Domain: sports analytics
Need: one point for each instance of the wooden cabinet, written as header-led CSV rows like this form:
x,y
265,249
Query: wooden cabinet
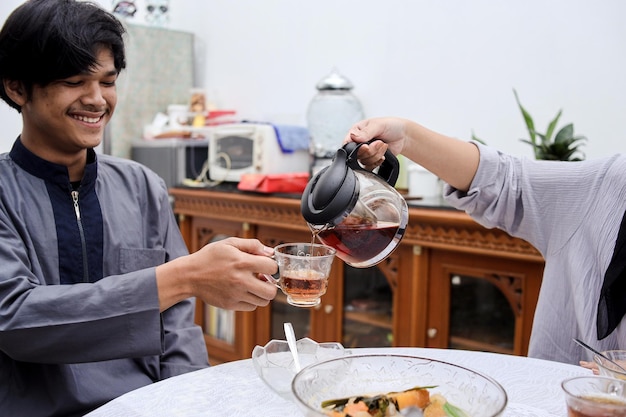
x,y
450,283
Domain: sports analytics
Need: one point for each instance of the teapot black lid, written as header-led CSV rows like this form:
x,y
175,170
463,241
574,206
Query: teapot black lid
x,y
332,193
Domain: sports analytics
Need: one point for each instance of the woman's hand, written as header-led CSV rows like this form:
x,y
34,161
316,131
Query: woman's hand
x,y
390,131
590,365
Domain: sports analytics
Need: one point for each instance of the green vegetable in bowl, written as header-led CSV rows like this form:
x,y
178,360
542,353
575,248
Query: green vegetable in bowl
x,y
453,411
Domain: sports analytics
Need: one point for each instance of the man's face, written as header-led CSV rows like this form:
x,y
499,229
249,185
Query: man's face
x,y
69,115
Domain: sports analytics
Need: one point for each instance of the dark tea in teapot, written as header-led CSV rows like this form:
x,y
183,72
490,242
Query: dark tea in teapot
x,y
358,243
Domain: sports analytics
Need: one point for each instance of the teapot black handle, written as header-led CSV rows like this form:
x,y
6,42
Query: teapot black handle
x,y
388,171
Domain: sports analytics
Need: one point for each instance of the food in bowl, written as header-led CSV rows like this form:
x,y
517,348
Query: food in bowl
x,y
465,390
392,404
606,368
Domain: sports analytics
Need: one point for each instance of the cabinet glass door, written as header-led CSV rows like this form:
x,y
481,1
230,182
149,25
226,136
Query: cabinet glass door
x,y
480,315
477,303
367,308
282,312
218,323
366,316
357,309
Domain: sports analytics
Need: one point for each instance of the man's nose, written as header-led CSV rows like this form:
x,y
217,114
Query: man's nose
x,y
93,94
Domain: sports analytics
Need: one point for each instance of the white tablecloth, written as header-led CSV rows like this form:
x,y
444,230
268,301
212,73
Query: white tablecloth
x,y
234,389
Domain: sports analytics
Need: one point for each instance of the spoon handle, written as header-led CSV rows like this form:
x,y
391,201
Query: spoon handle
x,y
291,341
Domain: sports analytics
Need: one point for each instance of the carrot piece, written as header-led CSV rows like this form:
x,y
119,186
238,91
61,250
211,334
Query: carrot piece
x,y
435,408
352,408
416,397
333,413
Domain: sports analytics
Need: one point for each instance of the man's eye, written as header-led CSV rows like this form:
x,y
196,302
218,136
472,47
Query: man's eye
x,y
72,83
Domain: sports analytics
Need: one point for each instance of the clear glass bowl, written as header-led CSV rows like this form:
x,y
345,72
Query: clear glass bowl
x,y
606,368
274,362
474,393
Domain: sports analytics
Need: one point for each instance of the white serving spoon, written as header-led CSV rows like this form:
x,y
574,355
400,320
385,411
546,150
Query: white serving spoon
x,y
291,341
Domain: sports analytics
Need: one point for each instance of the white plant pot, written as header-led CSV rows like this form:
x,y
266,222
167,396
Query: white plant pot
x,y
423,183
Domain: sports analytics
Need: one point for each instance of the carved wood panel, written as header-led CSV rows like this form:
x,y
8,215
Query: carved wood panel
x,y
443,228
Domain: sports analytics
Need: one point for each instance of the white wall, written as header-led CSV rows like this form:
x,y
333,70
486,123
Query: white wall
x,y
451,65
10,120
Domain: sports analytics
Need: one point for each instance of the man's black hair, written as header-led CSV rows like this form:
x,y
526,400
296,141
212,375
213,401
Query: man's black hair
x,y
48,40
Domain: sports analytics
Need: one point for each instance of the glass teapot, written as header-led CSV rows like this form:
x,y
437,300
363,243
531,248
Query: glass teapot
x,y
356,211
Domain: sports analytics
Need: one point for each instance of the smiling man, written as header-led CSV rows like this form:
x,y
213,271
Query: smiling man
x,y
97,287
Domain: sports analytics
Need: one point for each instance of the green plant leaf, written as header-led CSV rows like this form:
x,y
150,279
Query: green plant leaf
x,y
552,126
477,139
544,139
564,146
530,124
565,135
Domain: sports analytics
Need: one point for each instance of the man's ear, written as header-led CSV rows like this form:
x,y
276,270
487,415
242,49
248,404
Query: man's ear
x,y
16,91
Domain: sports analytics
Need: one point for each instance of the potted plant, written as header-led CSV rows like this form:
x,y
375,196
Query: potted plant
x,y
565,146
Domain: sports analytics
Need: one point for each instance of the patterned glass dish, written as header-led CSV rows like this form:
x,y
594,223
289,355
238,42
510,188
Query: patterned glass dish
x,y
476,394
274,362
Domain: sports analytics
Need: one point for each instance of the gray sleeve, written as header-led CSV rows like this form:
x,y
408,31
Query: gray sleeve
x,y
542,202
184,349
81,322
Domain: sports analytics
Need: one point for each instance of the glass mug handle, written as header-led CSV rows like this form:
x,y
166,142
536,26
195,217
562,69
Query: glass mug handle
x,y
274,278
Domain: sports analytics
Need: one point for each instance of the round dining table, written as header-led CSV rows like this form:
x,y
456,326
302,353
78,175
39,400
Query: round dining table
x,y
533,387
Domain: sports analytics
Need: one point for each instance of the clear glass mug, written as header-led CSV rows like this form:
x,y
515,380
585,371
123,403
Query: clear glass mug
x,y
303,270
595,396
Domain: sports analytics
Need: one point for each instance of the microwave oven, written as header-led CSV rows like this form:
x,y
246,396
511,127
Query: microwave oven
x,y
174,160
251,148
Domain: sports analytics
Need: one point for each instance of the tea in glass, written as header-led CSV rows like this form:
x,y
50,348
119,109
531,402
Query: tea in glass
x,y
303,270
595,396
